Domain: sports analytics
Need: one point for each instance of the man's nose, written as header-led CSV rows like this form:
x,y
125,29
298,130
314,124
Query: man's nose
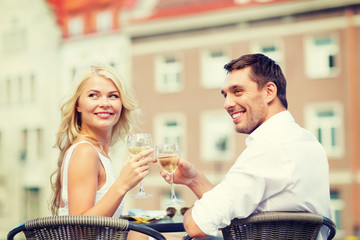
x,y
229,102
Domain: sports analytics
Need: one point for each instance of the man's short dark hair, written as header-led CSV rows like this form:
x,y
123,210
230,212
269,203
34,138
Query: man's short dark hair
x,y
263,70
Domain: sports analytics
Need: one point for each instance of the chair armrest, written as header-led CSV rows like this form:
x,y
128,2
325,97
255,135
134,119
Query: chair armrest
x,y
187,237
16,230
332,227
146,230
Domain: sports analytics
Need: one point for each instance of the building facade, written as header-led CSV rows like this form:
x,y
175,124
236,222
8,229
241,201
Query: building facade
x,y
173,52
29,73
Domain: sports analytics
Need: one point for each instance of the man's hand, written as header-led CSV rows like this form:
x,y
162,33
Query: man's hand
x,y
188,175
184,173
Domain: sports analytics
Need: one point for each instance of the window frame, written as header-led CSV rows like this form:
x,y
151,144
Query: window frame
x,y
76,26
161,69
279,58
337,205
104,21
312,55
207,62
207,132
160,129
313,123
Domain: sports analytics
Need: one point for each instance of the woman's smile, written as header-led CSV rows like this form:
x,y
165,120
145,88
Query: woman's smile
x,y
104,115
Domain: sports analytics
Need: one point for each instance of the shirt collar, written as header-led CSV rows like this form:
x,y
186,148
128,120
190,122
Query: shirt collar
x,y
268,127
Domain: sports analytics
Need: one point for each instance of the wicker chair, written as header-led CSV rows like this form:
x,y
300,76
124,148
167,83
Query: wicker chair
x,y
277,225
80,227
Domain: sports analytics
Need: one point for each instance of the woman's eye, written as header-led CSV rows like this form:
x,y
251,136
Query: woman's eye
x,y
92,95
114,96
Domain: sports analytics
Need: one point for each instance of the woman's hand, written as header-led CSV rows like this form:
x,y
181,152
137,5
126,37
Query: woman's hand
x,y
135,169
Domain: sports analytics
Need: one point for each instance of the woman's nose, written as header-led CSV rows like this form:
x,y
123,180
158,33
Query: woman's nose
x,y
104,102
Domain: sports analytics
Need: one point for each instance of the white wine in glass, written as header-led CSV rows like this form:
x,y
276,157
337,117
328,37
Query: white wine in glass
x,y
137,143
168,156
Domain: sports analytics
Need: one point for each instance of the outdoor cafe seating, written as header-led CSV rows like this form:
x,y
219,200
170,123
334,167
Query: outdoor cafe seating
x,y
277,225
258,226
80,227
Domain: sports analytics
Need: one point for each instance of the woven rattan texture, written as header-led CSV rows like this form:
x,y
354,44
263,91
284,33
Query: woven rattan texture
x,y
279,226
76,227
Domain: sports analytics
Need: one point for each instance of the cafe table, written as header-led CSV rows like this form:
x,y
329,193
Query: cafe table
x,y
164,225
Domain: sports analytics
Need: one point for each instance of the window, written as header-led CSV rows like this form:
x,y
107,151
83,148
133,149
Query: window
x,y
1,148
326,122
321,59
32,202
8,90
3,91
168,74
32,145
104,21
32,88
39,143
270,49
20,89
14,87
76,26
14,41
216,136
24,146
170,128
212,67
2,209
337,205
73,73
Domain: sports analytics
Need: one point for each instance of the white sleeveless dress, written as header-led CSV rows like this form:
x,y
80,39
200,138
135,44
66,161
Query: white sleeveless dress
x,y
110,179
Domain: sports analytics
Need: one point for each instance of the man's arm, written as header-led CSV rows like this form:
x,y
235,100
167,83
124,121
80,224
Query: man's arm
x,y
188,175
191,227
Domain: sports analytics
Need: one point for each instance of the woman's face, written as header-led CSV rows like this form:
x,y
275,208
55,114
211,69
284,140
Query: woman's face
x,y
99,104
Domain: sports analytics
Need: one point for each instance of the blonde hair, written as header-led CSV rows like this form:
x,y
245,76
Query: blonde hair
x,y
70,125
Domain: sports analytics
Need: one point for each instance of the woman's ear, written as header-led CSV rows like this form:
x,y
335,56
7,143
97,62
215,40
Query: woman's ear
x,y
78,109
271,91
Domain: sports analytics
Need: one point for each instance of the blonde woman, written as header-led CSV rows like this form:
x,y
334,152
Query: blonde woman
x,y
97,115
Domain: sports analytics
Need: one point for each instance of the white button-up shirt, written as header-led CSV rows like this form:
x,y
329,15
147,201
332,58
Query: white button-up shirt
x,y
283,168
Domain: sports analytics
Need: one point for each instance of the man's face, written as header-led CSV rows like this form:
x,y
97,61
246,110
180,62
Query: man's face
x,y
245,103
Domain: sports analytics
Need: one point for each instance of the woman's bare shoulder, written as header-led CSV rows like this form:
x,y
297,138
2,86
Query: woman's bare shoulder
x,y
85,155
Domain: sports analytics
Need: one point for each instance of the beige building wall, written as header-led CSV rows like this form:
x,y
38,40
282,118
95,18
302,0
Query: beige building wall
x,y
290,32
136,51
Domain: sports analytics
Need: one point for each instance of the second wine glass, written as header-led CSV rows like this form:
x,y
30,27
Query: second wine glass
x,y
137,143
168,155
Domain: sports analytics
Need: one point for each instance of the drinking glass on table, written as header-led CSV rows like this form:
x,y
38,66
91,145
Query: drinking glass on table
x,y
137,143
168,155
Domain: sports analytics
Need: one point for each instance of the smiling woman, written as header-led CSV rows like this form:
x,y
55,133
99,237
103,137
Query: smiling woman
x,y
99,104
95,116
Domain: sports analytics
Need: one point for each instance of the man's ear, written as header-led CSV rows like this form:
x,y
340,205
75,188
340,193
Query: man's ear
x,y
271,91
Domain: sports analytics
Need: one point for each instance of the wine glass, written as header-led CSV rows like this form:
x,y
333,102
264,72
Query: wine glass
x,y
137,143
168,155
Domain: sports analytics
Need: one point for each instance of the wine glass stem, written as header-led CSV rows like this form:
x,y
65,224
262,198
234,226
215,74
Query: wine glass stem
x,y
141,189
173,196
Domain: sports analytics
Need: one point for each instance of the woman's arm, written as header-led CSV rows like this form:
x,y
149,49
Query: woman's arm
x,y
83,181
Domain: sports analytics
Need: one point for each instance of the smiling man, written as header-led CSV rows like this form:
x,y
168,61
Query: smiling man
x,y
283,168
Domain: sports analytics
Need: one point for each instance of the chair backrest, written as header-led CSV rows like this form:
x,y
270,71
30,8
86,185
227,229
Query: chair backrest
x,y
278,225
80,227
